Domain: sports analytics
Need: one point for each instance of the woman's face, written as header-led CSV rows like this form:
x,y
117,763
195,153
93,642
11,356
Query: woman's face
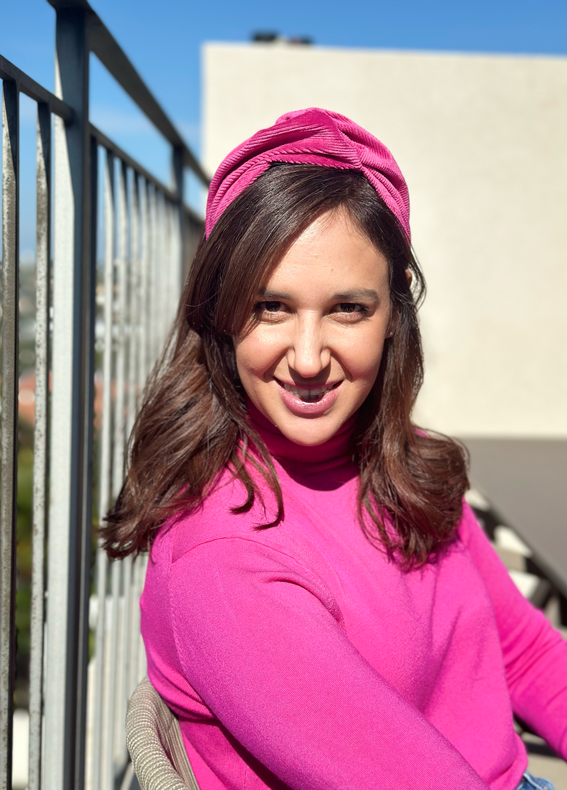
x,y
322,317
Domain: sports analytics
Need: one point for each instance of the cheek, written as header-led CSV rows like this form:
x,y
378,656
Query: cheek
x,y
254,355
362,357
242,358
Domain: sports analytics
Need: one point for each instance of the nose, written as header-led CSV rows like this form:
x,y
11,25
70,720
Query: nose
x,y
308,354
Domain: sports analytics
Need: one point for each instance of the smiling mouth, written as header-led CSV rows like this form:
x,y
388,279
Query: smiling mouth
x,y
310,395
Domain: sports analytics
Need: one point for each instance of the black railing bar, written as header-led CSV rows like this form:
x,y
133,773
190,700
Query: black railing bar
x,y
114,149
116,632
126,259
40,450
68,561
9,420
144,369
100,749
103,44
35,91
135,315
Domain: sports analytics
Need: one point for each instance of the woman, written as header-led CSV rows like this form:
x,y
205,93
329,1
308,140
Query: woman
x,y
321,609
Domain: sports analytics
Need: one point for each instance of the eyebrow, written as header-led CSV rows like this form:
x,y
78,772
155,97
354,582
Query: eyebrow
x,y
343,296
356,293
273,296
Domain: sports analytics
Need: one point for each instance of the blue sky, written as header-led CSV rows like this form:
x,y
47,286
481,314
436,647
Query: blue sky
x,y
163,40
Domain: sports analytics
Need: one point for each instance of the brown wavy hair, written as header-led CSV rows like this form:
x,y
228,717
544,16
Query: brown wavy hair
x,y
193,420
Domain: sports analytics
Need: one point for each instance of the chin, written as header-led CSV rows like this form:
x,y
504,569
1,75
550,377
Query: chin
x,y
308,433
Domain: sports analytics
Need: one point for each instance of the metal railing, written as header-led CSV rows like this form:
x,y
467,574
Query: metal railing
x,y
98,331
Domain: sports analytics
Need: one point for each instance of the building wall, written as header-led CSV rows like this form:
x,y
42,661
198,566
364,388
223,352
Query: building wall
x,y
482,141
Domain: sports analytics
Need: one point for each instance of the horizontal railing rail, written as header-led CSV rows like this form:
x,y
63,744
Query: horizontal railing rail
x,y
25,84
111,55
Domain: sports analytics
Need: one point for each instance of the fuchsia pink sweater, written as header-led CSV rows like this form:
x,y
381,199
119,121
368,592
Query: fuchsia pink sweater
x,y
300,657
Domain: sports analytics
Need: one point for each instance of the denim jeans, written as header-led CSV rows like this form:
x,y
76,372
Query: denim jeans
x,y
531,783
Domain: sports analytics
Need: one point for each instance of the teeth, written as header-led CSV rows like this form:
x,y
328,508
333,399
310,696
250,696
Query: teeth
x,y
309,395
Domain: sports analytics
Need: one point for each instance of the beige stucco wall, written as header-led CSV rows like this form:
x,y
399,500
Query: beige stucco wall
x,y
482,141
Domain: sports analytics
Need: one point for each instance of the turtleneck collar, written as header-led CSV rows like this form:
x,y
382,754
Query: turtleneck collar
x,y
333,457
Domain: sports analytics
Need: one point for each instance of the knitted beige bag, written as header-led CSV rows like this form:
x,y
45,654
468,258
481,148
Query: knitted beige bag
x,y
155,743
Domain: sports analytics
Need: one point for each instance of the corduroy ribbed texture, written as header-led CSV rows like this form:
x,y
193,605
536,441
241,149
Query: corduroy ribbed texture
x,y
316,137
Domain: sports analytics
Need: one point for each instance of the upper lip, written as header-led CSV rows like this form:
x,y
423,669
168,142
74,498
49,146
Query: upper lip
x,y
310,385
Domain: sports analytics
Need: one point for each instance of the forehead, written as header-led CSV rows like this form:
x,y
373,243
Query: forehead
x,y
331,253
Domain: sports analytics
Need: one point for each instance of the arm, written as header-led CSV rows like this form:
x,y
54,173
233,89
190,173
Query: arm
x,y
535,655
259,638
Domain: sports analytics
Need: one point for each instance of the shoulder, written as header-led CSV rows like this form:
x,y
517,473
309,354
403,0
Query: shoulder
x,y
214,537
213,518
214,522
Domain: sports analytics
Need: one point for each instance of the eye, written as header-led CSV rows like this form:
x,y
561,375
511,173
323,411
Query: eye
x,y
270,307
269,310
350,308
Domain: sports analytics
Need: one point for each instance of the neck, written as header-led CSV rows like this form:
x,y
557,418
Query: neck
x,y
310,460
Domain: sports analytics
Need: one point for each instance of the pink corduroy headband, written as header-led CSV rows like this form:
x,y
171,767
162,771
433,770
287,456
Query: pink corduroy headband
x,y
315,137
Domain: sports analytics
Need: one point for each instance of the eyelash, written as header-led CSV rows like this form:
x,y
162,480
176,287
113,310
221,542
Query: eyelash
x,y
261,307
361,308
264,306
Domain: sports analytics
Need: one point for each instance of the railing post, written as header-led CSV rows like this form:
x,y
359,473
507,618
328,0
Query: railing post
x,y
71,417
10,297
101,753
179,232
40,435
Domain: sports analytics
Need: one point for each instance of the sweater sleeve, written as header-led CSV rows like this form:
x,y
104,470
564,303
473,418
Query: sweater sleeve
x,y
535,655
259,638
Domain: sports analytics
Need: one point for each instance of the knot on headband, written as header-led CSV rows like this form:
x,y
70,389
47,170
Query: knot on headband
x,y
315,137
